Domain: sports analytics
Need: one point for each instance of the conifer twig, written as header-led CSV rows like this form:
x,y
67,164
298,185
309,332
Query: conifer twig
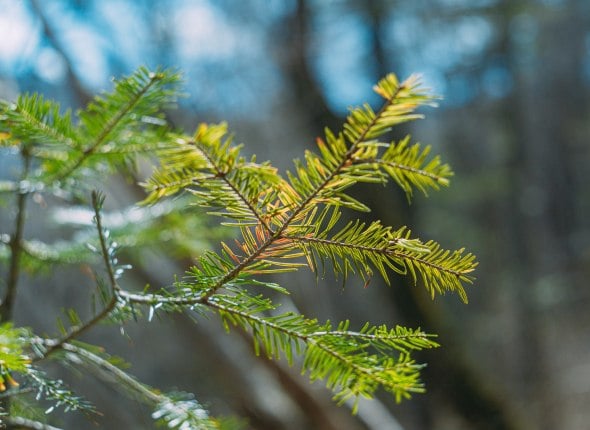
x,y
421,172
189,414
25,423
110,126
223,176
78,330
297,210
122,377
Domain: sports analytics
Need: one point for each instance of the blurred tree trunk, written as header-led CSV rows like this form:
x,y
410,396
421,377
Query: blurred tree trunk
x,y
541,205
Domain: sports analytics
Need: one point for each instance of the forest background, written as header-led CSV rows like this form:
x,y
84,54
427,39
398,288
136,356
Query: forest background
x,y
513,123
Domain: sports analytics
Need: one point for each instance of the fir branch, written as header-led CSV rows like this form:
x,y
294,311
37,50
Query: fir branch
x,y
355,246
217,175
56,390
328,179
322,181
346,364
360,127
339,356
401,338
78,330
440,269
238,191
140,94
407,166
33,120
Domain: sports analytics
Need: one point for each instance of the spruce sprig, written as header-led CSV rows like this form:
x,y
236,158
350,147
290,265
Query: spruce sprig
x,y
285,224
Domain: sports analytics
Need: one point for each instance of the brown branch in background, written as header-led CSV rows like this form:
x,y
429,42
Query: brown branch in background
x,y
16,249
74,82
295,60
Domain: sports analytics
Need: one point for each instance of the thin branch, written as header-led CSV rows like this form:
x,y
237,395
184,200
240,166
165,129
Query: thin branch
x,y
379,250
437,178
16,248
122,377
307,338
83,96
78,330
222,175
41,126
21,422
372,337
153,299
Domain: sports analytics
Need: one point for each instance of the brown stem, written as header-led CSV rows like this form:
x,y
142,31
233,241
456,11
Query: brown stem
x,y
78,88
78,330
16,248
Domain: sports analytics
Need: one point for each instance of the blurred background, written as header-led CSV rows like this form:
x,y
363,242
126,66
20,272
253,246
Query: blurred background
x,y
514,123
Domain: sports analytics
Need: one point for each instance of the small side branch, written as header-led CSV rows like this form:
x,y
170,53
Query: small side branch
x,y
149,396
78,330
219,173
24,423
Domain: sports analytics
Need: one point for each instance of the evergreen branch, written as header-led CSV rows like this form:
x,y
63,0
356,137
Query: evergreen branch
x,y
140,94
78,330
440,269
215,173
323,179
35,121
340,357
381,337
407,166
361,374
56,390
235,188
307,201
344,351
356,245
109,127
